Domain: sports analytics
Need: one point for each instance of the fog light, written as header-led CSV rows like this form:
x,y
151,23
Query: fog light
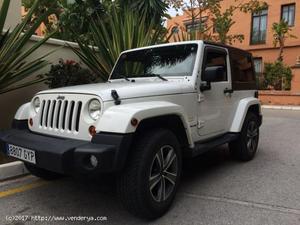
x,y
31,122
94,161
92,130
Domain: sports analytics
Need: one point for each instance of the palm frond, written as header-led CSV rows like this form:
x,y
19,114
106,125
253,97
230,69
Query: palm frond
x,y
117,33
15,67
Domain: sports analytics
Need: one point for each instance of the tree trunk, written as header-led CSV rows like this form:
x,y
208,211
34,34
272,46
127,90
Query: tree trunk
x,y
280,56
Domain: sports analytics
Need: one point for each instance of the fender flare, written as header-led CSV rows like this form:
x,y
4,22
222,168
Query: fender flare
x,y
117,119
23,112
241,112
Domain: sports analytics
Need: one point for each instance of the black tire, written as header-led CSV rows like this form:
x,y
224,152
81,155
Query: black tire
x,y
133,184
42,173
245,147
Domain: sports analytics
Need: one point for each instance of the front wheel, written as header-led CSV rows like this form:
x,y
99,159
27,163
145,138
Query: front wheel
x,y
245,147
150,181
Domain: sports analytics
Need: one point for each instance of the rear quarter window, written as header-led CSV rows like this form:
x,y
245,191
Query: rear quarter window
x,y
242,70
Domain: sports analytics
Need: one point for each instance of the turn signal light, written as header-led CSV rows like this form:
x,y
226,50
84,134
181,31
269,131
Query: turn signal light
x,y
134,122
92,130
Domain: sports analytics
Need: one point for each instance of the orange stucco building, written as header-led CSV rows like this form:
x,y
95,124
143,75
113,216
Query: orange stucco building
x,y
258,39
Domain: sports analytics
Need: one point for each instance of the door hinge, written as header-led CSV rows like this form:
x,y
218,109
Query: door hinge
x,y
200,97
200,124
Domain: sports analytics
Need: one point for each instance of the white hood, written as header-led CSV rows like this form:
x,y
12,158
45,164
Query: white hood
x,y
126,89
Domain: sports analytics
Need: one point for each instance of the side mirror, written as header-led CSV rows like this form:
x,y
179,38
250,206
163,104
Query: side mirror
x,y
213,73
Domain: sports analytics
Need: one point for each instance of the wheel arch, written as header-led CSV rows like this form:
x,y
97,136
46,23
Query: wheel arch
x,y
171,122
117,119
246,105
23,112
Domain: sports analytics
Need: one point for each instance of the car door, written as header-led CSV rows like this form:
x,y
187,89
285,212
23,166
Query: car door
x,y
214,96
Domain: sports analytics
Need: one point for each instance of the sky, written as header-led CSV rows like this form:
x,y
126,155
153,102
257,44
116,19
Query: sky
x,y
173,12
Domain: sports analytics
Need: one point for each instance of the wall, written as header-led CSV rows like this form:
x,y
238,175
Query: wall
x,y
296,79
10,102
279,98
243,24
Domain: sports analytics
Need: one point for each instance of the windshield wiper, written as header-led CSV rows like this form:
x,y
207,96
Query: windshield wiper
x,y
156,75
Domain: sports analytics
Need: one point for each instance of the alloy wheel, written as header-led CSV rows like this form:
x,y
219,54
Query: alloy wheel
x,y
252,136
163,173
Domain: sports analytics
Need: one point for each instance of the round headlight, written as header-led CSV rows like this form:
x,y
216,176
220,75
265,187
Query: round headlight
x,y
94,109
36,104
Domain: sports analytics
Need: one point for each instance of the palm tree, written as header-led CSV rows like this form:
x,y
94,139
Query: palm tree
x,y
152,9
117,33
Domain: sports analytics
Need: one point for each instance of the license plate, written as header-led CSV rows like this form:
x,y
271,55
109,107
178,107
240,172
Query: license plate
x,y
21,153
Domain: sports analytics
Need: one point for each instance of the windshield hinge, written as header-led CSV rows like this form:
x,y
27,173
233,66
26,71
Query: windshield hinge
x,y
115,96
200,124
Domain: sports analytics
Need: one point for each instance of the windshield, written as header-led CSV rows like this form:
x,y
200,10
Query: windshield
x,y
175,60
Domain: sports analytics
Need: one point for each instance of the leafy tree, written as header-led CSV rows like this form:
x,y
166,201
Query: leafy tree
x,y
75,18
281,31
72,19
55,7
195,10
221,19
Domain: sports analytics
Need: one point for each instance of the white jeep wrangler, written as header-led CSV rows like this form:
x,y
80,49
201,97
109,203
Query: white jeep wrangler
x,y
161,103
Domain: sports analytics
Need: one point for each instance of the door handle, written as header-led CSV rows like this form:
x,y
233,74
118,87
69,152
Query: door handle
x,y
228,91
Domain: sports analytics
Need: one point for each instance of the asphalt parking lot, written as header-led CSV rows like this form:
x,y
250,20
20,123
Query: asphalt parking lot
x,y
214,190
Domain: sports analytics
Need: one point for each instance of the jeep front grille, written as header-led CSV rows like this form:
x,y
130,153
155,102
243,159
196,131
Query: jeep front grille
x,y
60,114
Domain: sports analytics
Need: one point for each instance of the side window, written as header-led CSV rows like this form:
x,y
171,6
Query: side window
x,y
216,58
242,70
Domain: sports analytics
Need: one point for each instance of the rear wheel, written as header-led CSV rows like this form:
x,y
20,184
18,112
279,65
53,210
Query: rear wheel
x,y
150,181
245,147
42,173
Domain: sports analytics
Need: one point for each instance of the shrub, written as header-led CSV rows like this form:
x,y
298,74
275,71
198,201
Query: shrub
x,y
68,73
261,82
278,75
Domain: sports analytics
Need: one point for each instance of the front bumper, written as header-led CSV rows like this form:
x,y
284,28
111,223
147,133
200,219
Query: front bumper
x,y
69,156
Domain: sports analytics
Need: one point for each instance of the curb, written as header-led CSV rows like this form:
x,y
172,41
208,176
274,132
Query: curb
x,y
13,169
282,107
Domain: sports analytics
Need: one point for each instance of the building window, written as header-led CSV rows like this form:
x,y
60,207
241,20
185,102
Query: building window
x,y
288,14
259,27
197,25
258,66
